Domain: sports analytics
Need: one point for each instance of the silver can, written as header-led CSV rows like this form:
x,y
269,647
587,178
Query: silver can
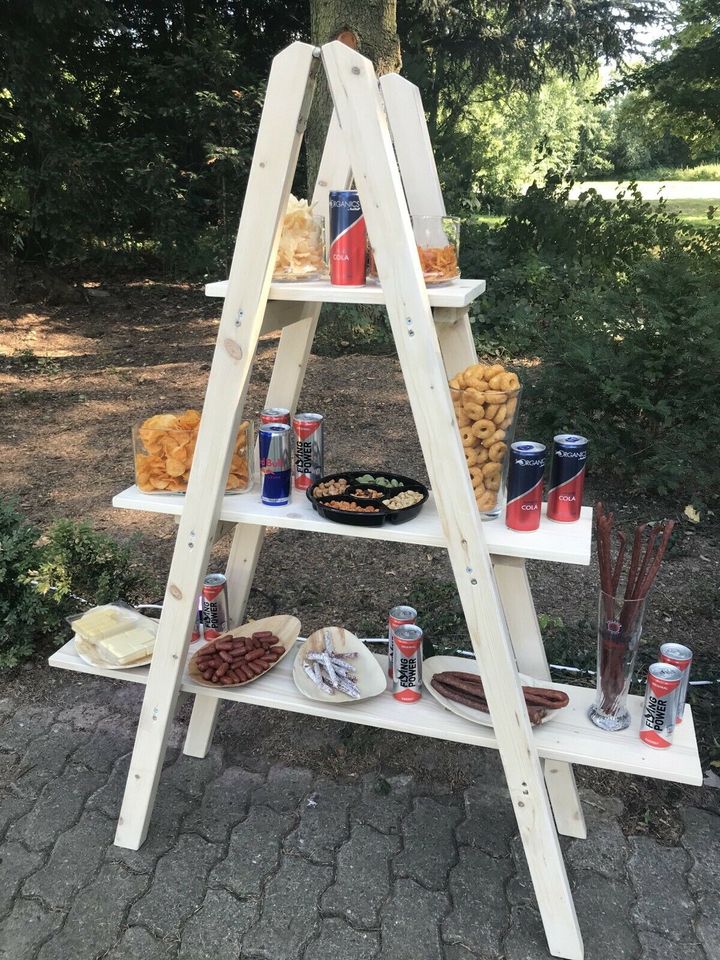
x,y
397,616
680,657
215,606
407,663
309,449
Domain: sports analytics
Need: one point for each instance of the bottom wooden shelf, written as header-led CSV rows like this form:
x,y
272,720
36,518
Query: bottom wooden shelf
x,y
570,737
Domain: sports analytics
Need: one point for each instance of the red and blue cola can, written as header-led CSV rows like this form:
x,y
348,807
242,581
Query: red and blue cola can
x,y
660,710
275,415
681,657
274,449
396,618
308,429
525,485
567,477
407,663
348,239
214,598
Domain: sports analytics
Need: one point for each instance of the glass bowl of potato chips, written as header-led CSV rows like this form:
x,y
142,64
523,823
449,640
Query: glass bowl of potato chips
x,y
164,446
301,249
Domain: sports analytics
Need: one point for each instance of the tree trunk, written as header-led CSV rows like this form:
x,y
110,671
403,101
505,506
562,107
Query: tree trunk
x,y
370,26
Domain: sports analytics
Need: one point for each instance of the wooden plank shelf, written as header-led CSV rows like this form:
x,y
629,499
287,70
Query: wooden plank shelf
x,y
558,542
570,737
458,294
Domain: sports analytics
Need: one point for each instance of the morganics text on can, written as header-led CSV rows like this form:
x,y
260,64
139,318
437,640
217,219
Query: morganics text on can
x,y
658,717
525,485
348,239
681,657
214,606
567,477
274,450
308,429
407,663
275,415
396,618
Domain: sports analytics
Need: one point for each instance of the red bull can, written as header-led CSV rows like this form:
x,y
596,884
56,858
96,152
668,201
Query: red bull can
x,y
407,663
274,450
348,239
567,478
680,657
396,618
525,485
660,710
275,415
308,429
215,606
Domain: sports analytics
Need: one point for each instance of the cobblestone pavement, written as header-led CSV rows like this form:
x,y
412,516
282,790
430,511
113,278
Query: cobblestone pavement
x,y
250,860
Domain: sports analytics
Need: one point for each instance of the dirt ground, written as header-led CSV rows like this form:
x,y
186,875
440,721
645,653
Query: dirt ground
x,y
73,380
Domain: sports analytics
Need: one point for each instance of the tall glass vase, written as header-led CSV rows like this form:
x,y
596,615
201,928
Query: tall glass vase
x,y
619,630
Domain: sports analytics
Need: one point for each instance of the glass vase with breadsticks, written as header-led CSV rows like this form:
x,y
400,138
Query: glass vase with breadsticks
x,y
486,398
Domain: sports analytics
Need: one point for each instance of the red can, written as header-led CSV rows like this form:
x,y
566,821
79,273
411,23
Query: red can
x,y
308,428
567,478
348,239
680,657
407,663
525,485
658,718
215,606
275,415
396,618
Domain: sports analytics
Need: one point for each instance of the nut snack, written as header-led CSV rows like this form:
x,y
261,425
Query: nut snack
x,y
164,448
485,398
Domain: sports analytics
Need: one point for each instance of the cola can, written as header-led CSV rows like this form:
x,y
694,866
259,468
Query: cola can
x,y
660,709
274,450
308,428
680,657
396,618
275,415
215,606
348,239
197,633
567,477
407,663
525,485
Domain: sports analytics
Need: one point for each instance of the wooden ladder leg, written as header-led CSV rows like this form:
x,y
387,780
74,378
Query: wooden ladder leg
x,y
514,586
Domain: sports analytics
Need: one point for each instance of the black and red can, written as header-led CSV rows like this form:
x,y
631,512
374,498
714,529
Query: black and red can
x,y
398,616
525,485
215,606
348,239
657,723
567,477
275,415
681,657
308,429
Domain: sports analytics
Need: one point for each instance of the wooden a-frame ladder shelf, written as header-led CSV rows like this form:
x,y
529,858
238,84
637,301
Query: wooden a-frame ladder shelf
x,y
379,138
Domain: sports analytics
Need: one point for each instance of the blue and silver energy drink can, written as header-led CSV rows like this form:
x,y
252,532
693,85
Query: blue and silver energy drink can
x,y
274,444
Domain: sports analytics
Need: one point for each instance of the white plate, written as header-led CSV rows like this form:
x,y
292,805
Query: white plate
x,y
465,665
371,679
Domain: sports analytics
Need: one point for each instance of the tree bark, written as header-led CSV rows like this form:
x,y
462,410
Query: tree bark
x,y
370,26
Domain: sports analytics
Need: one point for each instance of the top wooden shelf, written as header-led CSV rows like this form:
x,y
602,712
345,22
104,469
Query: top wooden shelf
x,y
458,294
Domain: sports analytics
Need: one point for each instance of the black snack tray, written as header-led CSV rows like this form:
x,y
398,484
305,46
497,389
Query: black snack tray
x,y
375,520
350,517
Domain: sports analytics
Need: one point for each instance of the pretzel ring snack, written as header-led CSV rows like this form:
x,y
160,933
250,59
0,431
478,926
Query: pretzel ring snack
x,y
495,438
482,456
471,456
498,381
500,414
475,411
497,451
492,483
494,370
454,384
495,396
491,469
468,440
483,429
511,382
476,477
487,501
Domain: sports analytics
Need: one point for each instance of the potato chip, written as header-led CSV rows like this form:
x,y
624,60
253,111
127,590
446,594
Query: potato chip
x,y
300,250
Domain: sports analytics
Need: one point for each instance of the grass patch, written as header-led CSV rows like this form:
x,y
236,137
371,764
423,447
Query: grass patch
x,y
706,171
695,213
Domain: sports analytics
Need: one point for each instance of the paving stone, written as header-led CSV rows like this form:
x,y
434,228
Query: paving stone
x,y
84,716
480,915
12,808
410,923
670,916
57,808
16,863
254,852
707,925
7,707
289,915
191,775
224,804
519,889
23,930
45,758
284,788
338,941
97,915
104,747
26,724
605,850
170,808
702,841
323,822
137,943
489,822
429,846
108,798
604,911
178,887
215,932
73,861
384,801
525,939
655,946
362,877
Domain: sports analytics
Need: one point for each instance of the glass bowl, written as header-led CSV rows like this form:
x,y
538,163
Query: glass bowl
x,y
301,250
438,245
